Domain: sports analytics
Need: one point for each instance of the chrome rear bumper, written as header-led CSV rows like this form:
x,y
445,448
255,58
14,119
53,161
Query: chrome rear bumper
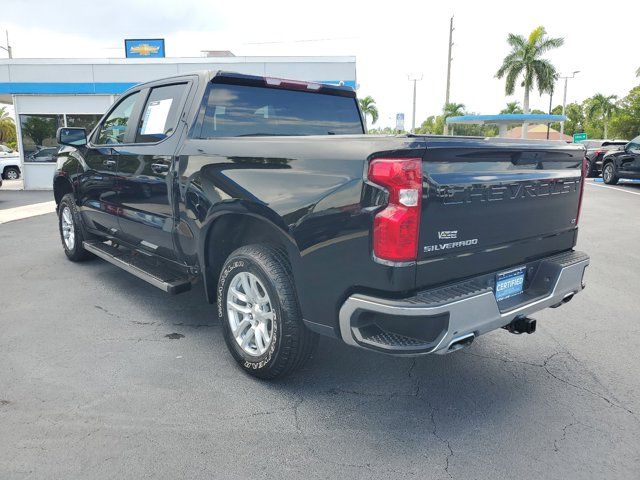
x,y
431,321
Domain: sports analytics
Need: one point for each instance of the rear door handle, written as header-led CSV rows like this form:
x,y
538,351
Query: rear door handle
x,y
109,163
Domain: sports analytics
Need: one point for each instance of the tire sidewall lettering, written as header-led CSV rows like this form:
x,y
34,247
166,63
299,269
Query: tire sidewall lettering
x,y
221,296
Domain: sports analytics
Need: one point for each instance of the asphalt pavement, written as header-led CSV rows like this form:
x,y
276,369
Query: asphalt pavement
x,y
94,383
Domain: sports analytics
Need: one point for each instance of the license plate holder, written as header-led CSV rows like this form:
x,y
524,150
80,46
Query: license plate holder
x,y
510,283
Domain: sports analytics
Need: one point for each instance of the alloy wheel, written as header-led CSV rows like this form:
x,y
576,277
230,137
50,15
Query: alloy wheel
x,y
68,229
250,314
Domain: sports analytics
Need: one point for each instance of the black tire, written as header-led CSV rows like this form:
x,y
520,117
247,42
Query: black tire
x,y
609,174
292,344
592,170
76,253
11,173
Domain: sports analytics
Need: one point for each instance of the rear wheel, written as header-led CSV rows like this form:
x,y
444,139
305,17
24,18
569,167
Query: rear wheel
x,y
11,173
71,230
260,315
609,175
591,169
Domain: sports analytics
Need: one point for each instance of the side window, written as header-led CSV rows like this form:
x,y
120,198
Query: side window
x,y
114,128
634,145
160,115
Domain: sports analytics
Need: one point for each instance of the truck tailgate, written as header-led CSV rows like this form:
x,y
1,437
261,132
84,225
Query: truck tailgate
x,y
490,205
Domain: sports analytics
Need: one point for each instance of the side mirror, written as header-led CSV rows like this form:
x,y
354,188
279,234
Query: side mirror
x,y
72,136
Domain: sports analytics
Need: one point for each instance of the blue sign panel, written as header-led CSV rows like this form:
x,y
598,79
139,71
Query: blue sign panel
x,y
144,48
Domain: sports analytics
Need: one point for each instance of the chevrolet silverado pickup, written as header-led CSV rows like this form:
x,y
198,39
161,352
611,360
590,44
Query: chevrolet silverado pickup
x,y
299,224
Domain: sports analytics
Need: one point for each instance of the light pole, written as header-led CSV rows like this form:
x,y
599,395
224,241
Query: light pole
x,y
415,78
564,99
8,47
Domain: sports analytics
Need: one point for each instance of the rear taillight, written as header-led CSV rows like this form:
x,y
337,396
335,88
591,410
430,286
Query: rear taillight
x,y
583,175
396,227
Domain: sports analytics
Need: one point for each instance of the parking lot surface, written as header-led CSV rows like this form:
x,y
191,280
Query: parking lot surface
x,y
94,383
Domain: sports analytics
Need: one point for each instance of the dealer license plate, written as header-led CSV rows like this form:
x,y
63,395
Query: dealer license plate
x,y
509,283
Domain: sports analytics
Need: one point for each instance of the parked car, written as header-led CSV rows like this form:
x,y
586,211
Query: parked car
x,y
623,163
7,152
9,163
43,154
299,224
596,150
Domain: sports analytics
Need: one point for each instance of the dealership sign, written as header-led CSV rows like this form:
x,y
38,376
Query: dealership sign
x,y
144,48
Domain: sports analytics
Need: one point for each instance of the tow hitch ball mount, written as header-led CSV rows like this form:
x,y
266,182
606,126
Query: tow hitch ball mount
x,y
521,325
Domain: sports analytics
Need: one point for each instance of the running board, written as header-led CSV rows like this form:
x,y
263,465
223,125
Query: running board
x,y
148,269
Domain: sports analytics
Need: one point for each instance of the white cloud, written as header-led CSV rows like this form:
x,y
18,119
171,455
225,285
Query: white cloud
x,y
390,41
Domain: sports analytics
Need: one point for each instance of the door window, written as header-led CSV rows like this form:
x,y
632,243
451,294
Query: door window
x,y
634,145
160,115
114,128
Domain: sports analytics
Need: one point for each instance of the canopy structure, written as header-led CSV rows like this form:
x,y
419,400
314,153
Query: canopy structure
x,y
505,119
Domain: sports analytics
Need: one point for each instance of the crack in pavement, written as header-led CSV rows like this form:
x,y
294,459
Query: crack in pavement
x,y
442,440
103,309
545,365
556,448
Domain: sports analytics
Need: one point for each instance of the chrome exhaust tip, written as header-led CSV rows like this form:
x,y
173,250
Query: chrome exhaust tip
x,y
461,342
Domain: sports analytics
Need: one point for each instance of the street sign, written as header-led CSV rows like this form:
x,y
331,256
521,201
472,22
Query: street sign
x,y
578,137
144,48
400,121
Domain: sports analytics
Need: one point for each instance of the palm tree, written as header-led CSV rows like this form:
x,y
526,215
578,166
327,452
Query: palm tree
x,y
603,107
7,127
368,107
512,107
451,110
526,59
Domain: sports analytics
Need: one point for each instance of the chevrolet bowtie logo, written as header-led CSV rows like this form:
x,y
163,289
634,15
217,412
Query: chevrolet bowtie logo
x,y
144,49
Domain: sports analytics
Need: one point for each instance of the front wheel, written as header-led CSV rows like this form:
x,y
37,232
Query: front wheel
x,y
260,315
71,230
11,173
609,174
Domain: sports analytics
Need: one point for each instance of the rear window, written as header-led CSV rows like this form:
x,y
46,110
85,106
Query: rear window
x,y
239,110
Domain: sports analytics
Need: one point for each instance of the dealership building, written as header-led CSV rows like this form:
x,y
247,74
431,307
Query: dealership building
x,y
51,93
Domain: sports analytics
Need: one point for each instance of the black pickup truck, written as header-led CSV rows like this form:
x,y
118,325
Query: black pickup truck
x,y
299,224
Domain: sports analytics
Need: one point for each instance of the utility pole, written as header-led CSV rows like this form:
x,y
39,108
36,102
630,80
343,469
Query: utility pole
x,y
446,98
8,47
564,99
550,108
415,79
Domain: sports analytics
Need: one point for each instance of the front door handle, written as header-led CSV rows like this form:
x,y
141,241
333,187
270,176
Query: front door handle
x,y
159,168
109,163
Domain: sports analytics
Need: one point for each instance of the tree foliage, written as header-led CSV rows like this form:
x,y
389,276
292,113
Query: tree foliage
x,y
525,61
601,107
39,128
7,127
369,109
626,121
512,108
